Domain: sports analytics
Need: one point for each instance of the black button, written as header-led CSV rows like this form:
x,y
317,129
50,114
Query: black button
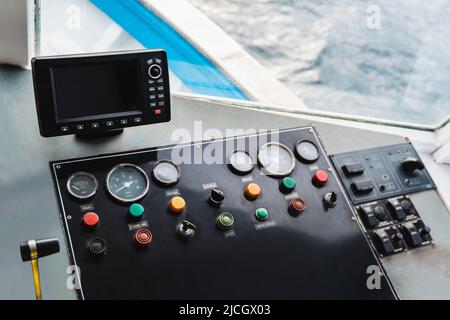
x,y
109,123
353,169
64,129
137,120
161,104
152,89
154,71
152,97
160,88
362,187
97,246
95,125
153,104
80,127
123,121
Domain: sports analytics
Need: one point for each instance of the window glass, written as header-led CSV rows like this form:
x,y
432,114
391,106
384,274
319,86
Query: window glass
x,y
382,58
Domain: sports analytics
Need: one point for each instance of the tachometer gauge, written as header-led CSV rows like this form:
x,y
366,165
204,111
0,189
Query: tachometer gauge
x,y
276,159
166,172
82,185
127,183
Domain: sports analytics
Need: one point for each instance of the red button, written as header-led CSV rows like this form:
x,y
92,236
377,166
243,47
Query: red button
x,y
320,178
158,111
91,220
143,237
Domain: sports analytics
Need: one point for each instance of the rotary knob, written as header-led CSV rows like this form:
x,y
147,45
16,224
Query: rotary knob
x,y
216,197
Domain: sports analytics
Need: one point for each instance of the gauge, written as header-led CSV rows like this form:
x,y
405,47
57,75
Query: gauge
x,y
127,183
240,162
166,172
82,185
276,159
307,151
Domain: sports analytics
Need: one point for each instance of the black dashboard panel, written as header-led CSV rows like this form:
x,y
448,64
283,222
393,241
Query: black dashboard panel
x,y
306,243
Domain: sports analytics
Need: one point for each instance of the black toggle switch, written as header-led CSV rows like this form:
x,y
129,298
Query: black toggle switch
x,y
425,231
330,199
368,216
186,230
353,169
362,187
412,235
412,164
383,242
396,209
216,197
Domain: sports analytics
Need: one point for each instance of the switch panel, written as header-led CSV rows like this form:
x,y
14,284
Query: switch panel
x,y
380,173
394,225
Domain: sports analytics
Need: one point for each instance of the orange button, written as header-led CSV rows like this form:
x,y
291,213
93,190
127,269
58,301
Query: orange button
x,y
252,191
177,205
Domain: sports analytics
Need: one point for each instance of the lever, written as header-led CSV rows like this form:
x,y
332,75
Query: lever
x,y
412,164
32,250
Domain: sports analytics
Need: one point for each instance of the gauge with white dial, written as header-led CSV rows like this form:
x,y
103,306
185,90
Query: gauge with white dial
x,y
276,159
82,185
127,183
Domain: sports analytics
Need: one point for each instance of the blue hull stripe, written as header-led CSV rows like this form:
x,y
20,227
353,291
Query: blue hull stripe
x,y
196,71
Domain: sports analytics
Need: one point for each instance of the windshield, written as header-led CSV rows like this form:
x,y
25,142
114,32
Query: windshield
x,y
384,59
387,60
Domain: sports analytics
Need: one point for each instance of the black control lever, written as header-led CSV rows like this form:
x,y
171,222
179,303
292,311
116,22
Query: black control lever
x,y
412,164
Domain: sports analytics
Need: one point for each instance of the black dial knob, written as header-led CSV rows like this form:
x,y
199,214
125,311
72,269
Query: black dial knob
x,y
380,213
407,207
216,197
412,164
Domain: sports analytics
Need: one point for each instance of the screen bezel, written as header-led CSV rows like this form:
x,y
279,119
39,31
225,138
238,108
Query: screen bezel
x,y
49,124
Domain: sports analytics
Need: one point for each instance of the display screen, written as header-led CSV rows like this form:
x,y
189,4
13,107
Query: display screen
x,y
90,91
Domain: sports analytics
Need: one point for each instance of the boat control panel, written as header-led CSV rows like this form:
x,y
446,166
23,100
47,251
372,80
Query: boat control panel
x,y
260,216
267,215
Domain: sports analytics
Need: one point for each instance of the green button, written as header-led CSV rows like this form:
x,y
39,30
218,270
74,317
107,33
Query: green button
x,y
287,185
225,220
262,214
136,210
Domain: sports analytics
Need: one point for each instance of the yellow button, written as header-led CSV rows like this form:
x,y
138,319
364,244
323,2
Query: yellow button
x,y
177,205
252,191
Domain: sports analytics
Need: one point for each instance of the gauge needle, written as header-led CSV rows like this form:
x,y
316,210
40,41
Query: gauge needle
x,y
125,186
76,188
